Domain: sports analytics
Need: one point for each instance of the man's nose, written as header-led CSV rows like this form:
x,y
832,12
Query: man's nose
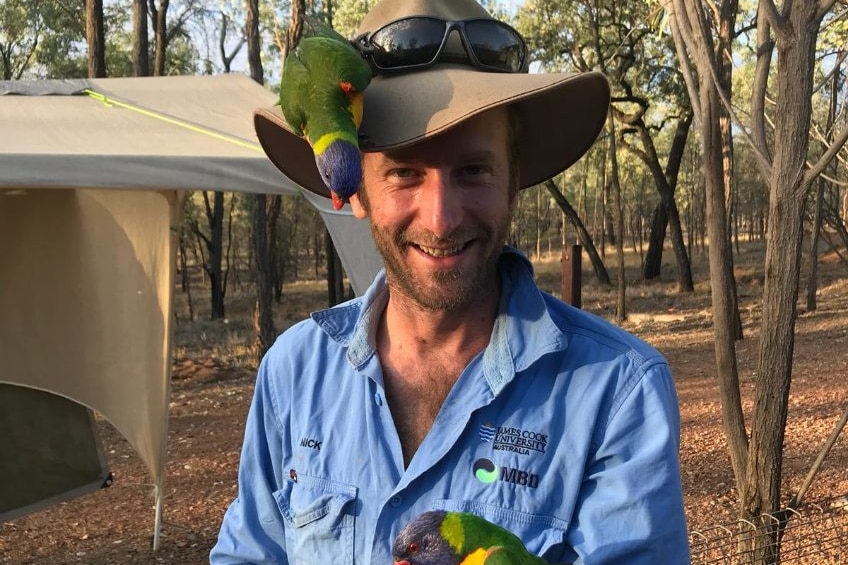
x,y
441,204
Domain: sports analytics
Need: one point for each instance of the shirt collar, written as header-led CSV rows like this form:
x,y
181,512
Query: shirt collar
x,y
523,330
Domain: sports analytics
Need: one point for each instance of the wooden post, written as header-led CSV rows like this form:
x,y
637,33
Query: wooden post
x,y
572,275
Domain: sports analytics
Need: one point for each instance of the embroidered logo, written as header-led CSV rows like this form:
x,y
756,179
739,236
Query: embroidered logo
x,y
514,440
487,433
311,443
487,472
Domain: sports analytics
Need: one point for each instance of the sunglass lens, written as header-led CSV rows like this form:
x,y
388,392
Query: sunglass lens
x,y
496,45
407,42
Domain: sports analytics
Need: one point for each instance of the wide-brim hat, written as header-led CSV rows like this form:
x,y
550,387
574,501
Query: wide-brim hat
x,y
559,114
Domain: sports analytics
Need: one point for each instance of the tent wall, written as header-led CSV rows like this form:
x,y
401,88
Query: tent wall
x,y
91,177
86,300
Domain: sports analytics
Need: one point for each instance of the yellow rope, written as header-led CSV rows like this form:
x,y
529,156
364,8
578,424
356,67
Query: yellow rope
x,y
149,113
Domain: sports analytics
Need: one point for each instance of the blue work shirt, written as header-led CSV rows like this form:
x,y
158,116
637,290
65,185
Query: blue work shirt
x,y
564,430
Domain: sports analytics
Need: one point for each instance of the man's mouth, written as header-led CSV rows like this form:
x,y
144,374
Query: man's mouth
x,y
441,252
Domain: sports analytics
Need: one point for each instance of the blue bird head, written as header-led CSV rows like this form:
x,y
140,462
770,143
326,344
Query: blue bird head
x,y
340,167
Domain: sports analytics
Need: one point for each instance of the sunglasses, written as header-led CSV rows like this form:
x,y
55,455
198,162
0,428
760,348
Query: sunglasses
x,y
419,42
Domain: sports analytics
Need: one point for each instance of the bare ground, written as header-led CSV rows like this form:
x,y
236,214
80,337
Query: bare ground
x,y
213,380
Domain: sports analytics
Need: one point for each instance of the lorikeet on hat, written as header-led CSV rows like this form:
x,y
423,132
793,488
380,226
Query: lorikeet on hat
x,y
321,99
413,97
458,538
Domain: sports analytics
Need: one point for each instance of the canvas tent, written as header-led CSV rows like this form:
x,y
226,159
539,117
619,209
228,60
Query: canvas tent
x,y
91,176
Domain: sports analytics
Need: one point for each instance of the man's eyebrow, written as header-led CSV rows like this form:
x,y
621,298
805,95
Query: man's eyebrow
x,y
406,156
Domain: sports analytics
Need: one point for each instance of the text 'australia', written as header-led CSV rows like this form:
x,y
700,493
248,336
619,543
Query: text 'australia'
x,y
520,441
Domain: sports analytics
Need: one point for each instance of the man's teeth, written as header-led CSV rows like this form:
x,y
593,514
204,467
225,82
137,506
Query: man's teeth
x,y
436,252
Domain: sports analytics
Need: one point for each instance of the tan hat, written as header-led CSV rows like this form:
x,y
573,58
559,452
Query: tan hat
x,y
560,114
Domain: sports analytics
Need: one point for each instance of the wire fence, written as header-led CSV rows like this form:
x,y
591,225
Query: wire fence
x,y
817,534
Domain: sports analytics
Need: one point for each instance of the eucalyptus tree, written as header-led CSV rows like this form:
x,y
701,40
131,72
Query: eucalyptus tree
x,y
38,38
781,104
96,37
619,40
141,40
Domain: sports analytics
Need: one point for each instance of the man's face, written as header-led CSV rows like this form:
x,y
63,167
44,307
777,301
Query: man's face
x,y
440,212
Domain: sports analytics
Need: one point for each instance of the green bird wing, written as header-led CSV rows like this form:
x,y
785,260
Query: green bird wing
x,y
312,97
314,27
467,532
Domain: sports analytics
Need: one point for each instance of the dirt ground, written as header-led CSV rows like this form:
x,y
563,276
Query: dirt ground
x,y
213,380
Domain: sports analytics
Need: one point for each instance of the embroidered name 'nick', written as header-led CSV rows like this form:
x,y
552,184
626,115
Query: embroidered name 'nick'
x,y
311,443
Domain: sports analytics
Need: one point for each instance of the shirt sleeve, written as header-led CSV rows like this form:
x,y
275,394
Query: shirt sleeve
x,y
630,509
253,528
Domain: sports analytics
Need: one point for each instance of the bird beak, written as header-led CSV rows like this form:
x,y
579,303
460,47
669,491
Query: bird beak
x,y
404,562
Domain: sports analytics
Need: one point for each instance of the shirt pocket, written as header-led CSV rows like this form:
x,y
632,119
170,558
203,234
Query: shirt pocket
x,y
542,535
319,520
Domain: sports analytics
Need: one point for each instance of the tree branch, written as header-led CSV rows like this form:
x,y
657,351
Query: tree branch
x,y
765,48
679,40
768,11
828,155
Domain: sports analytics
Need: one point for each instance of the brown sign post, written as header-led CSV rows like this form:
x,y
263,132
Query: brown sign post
x,y
572,275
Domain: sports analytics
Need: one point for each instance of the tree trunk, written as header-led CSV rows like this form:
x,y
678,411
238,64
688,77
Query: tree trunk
x,y
141,43
652,267
263,320
666,183
795,39
615,185
254,46
582,233
812,280
696,53
215,217
96,38
335,274
160,32
724,70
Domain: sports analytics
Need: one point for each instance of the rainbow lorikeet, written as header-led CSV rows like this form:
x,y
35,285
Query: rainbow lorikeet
x,y
321,98
458,538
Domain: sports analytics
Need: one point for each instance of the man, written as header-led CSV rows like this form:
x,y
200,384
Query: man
x,y
454,383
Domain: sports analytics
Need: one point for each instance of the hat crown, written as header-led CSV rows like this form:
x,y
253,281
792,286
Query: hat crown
x,y
387,11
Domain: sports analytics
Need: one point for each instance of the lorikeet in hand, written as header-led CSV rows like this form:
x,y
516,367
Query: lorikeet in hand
x,y
458,538
321,98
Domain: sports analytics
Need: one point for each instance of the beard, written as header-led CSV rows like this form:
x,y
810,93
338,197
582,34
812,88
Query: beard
x,y
443,289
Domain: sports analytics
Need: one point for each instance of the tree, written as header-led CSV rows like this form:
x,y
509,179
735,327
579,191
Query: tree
x,y
141,42
212,247
254,42
159,15
697,53
166,31
95,35
266,208
582,233
618,40
789,31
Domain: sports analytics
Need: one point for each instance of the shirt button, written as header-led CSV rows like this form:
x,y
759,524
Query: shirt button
x,y
378,399
395,501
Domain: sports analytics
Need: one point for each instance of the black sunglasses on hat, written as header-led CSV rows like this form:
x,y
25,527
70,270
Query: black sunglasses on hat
x,y
418,42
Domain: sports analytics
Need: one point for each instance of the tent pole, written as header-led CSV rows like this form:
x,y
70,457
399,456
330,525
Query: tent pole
x,y
157,522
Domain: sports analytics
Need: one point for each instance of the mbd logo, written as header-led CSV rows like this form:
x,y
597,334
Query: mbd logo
x,y
487,472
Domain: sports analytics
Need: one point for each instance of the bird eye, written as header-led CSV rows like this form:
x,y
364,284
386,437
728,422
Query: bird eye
x,y
413,548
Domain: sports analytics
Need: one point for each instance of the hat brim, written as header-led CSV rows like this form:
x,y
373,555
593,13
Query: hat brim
x,y
560,116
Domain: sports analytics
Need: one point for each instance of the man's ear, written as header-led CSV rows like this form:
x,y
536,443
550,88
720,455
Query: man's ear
x,y
357,208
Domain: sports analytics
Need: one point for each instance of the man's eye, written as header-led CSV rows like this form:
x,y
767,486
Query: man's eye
x,y
473,170
402,173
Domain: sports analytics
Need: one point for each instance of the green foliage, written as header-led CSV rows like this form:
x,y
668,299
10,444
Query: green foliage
x,y
37,34
347,15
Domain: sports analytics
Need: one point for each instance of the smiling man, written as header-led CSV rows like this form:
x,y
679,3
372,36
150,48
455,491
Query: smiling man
x,y
454,383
